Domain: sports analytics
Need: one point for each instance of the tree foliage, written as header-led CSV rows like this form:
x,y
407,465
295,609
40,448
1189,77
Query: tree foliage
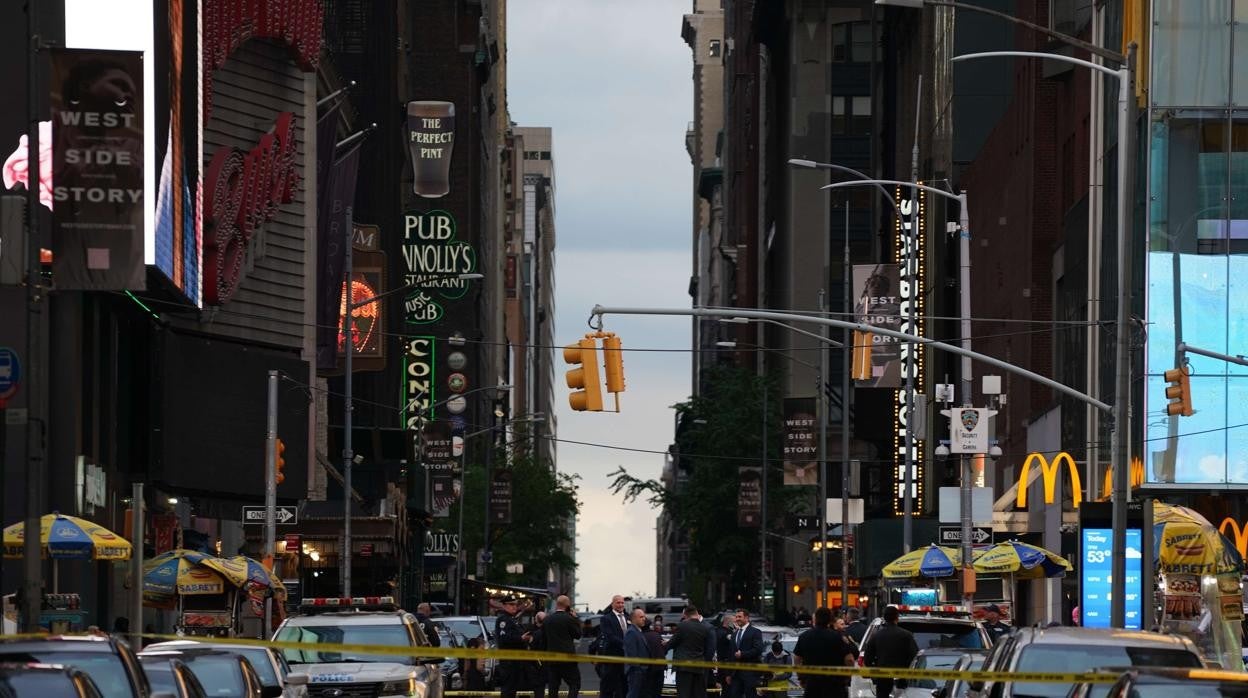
x,y
720,430
545,504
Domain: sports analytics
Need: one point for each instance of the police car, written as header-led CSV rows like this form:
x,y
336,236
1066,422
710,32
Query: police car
x,y
373,620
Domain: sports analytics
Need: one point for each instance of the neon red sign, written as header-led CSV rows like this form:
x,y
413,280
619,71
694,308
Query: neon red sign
x,y
241,194
229,23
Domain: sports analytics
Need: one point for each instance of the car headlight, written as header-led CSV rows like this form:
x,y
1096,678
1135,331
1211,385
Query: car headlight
x,y
406,687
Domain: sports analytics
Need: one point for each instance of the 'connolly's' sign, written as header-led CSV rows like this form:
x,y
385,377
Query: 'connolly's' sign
x,y
432,260
241,194
417,382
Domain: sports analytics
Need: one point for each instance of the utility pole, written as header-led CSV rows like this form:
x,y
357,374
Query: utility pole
x,y
348,455
270,492
823,409
32,558
136,566
762,522
846,351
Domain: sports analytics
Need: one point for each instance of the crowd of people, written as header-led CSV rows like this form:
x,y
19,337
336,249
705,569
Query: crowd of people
x,y
833,640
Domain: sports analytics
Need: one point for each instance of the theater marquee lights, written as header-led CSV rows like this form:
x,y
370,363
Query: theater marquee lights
x,y
909,250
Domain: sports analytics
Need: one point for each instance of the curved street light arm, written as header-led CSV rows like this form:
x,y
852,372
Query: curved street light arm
x,y
1119,73
1040,29
897,182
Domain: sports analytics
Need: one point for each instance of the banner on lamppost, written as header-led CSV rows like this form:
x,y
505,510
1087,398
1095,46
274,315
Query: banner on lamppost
x,y
98,229
500,497
878,303
444,488
750,496
801,439
437,441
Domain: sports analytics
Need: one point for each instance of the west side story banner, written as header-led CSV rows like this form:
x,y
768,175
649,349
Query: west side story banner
x,y
801,442
97,169
878,303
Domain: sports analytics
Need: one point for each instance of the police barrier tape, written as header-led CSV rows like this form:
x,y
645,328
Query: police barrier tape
x,y
440,653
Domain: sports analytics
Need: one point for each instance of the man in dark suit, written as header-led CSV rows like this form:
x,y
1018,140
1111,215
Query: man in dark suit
x,y
748,644
562,630
693,640
889,646
723,651
612,629
635,647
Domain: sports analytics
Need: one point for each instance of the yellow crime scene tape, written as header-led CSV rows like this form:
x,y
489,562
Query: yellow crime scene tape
x,y
440,653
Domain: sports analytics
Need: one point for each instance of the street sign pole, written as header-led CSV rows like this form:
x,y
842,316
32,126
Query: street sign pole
x,y
270,492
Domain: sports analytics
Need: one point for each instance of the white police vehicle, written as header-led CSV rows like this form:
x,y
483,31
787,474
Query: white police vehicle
x,y
373,620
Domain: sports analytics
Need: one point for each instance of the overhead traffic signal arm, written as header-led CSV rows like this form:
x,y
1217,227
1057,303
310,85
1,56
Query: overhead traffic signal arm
x,y
586,395
1179,392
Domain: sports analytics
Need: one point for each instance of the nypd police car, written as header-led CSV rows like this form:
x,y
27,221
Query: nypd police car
x,y
374,620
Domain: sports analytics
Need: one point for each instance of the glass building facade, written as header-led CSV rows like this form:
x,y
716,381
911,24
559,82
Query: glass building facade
x,y
1197,259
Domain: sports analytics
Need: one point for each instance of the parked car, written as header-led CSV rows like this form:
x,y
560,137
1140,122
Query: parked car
x,y
1079,650
948,627
270,664
452,671
470,627
960,688
18,679
938,658
171,675
109,662
1153,682
220,673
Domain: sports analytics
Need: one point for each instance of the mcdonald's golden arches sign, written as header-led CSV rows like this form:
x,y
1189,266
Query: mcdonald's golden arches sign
x,y
1050,471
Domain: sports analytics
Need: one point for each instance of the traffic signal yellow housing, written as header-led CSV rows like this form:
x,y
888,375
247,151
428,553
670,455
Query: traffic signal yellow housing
x,y
584,381
1181,389
279,462
613,363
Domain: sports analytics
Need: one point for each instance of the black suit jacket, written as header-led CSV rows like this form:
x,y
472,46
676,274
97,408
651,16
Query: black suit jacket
x,y
561,632
890,646
612,634
751,648
692,641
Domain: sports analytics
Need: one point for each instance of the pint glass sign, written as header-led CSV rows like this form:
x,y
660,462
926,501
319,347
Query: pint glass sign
x,y
430,142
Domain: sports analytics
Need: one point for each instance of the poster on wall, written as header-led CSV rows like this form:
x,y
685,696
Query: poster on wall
x,y
430,144
801,465
98,197
433,259
750,496
878,303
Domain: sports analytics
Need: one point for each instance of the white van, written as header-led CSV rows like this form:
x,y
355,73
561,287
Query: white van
x,y
670,607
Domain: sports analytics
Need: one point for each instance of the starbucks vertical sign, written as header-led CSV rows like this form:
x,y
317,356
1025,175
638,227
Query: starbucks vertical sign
x,y
430,144
433,258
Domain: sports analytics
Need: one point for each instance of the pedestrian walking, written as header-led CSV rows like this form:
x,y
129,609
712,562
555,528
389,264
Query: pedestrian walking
x,y
510,636
635,648
890,646
822,645
653,685
562,630
611,630
748,644
857,627
693,641
993,624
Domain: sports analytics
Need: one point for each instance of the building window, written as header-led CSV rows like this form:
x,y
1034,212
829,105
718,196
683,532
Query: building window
x,y
852,42
1191,62
851,116
1070,17
714,49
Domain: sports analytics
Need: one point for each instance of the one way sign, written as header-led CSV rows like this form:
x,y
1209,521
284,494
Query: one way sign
x,y
286,514
952,535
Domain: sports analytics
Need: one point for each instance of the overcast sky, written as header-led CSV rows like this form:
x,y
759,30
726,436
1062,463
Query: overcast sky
x,y
613,79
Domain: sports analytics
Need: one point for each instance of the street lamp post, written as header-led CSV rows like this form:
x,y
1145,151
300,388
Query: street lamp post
x,y
348,452
1125,75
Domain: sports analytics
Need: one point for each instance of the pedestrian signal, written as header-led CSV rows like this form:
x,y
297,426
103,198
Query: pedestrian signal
x,y
1179,392
613,363
586,395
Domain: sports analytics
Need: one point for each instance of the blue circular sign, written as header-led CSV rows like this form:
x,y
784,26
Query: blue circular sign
x,y
10,373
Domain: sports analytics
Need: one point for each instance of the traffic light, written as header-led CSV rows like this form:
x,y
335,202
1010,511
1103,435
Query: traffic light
x,y
613,363
1179,388
586,388
278,461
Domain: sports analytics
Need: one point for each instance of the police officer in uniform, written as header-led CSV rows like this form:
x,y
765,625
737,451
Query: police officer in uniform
x,y
511,636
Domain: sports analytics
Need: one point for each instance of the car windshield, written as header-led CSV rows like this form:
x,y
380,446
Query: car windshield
x,y
933,661
160,675
36,683
393,635
468,628
258,658
104,668
217,673
929,634
1073,659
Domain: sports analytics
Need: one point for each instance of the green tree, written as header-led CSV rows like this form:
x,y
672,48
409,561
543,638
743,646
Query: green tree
x,y
545,503
720,430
